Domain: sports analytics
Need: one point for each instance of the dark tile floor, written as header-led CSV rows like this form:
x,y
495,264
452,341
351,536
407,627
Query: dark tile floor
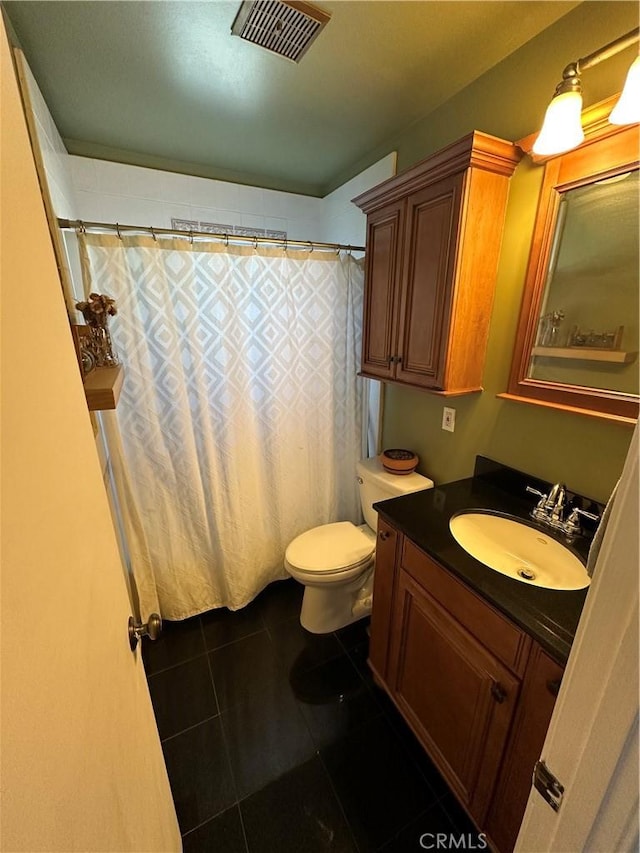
x,y
278,741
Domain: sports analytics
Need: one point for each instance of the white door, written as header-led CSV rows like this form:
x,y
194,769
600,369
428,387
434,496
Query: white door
x,y
592,743
82,766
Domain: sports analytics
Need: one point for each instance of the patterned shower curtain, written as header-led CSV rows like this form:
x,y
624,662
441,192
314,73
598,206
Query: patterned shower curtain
x,y
240,419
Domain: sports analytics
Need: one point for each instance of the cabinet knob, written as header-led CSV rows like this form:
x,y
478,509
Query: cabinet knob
x,y
384,535
498,692
553,686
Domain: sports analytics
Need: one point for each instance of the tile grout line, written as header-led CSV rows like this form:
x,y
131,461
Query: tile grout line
x,y
339,802
223,731
210,819
244,831
190,728
211,678
174,665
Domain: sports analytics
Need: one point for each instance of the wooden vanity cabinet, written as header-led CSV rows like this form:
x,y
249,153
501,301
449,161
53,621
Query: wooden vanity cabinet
x,y
433,242
475,689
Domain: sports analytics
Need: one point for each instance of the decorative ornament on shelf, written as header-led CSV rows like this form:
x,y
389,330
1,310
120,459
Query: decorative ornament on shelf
x,y
397,461
96,312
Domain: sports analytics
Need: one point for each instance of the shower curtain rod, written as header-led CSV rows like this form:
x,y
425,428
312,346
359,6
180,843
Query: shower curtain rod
x,y
79,225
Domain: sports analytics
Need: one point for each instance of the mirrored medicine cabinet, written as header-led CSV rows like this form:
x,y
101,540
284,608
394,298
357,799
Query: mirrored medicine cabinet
x,y
577,341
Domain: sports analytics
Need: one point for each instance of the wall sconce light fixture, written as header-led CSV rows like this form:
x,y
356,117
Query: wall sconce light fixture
x,y
561,129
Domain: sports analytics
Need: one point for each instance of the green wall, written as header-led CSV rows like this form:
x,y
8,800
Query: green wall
x,y
509,101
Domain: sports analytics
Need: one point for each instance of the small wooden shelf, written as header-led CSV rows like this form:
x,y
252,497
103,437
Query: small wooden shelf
x,y
102,387
613,356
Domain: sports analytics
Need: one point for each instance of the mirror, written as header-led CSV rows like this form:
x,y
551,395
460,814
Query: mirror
x,y
588,322
578,339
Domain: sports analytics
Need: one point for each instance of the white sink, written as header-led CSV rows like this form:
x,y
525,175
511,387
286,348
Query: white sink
x,y
518,551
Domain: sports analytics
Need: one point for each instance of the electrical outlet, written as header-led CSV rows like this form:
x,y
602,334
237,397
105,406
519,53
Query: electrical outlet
x,y
448,419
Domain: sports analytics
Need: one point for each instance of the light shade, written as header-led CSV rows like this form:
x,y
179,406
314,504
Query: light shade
x,y
561,129
627,110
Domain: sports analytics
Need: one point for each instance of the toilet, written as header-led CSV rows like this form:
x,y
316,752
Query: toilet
x,y
335,562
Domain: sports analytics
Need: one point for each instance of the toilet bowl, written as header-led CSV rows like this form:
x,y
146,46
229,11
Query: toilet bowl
x,y
335,562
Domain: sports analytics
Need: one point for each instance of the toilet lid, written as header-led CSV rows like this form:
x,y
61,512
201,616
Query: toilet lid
x,y
330,547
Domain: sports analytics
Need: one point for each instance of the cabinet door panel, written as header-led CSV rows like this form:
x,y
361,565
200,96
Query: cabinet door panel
x,y
428,271
539,691
457,697
384,232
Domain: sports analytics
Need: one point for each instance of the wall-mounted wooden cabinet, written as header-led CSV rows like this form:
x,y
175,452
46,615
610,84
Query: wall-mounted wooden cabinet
x,y
476,690
433,242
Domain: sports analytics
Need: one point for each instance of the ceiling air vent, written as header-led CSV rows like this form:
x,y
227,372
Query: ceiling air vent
x,y
285,28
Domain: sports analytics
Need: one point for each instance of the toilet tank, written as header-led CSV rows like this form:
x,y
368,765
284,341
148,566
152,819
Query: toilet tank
x,y
376,484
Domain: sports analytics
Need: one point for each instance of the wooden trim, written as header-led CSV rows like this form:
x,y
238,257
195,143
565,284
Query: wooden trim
x,y
459,392
576,410
614,356
610,154
476,149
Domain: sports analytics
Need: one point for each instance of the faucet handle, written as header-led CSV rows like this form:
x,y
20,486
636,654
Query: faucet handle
x,y
576,511
572,525
536,492
539,512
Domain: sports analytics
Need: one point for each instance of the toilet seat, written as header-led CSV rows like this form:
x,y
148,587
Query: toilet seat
x,y
330,549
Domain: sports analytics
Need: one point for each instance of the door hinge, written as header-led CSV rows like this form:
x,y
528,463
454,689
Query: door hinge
x,y
546,783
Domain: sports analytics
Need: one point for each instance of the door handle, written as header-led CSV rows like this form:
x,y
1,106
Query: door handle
x,y
384,535
150,629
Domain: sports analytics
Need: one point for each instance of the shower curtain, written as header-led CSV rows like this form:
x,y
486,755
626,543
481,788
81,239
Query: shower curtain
x,y
240,418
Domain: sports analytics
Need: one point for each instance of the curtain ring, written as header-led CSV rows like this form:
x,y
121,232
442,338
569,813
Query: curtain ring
x,y
118,231
338,251
286,244
191,236
153,234
255,244
81,229
310,247
226,240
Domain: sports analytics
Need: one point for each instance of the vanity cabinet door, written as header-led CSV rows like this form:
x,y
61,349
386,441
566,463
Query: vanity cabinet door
x,y
539,691
381,299
428,271
383,586
458,698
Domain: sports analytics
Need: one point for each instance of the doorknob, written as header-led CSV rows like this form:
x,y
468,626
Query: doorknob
x,y
150,629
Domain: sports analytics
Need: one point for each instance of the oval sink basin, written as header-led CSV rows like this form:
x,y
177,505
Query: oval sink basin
x,y
518,551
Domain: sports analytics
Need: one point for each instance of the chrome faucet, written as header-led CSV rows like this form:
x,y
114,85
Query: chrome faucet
x,y
550,511
555,505
550,508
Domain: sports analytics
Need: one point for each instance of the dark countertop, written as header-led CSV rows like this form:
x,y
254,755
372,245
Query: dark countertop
x,y
549,616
